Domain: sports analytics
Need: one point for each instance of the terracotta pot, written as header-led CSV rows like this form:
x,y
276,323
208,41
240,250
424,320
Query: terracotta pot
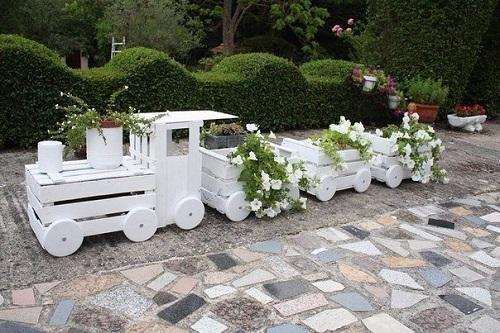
x,y
109,124
427,113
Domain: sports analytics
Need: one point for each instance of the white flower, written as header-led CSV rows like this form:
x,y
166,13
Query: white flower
x,y
61,93
276,184
237,160
415,116
255,205
303,202
259,135
378,132
252,127
271,135
406,119
358,127
353,136
251,156
292,179
407,149
266,181
285,204
446,180
126,87
270,212
279,159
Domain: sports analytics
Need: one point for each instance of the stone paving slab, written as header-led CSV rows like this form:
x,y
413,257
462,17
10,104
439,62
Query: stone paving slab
x,y
284,285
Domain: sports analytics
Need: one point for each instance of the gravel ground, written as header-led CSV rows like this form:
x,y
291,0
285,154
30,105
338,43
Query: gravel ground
x,y
472,161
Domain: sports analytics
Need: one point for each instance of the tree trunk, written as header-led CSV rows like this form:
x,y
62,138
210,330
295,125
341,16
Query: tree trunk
x,y
228,29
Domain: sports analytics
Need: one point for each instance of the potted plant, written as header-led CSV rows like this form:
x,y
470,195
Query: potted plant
x,y
469,118
101,132
224,135
426,96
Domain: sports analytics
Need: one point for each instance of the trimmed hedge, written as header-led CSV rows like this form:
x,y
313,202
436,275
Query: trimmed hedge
x,y
484,83
259,88
438,39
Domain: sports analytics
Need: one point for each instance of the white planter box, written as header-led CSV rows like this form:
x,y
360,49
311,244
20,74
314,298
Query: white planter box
x,y
105,153
386,167
357,174
469,124
220,188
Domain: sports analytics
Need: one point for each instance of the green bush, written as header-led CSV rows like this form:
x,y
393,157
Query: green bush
x,y
437,39
259,88
484,83
427,91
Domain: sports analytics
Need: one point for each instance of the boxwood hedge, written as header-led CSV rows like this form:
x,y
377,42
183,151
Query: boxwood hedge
x,y
260,88
439,39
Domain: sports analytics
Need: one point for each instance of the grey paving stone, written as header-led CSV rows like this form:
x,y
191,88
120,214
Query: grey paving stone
x,y
480,244
435,319
441,223
466,274
182,308
476,220
468,202
223,260
62,312
97,319
123,299
435,277
449,204
353,301
435,258
163,297
13,327
286,328
271,246
286,289
479,294
461,303
361,234
485,259
364,247
486,324
401,299
244,313
400,278
383,323
329,256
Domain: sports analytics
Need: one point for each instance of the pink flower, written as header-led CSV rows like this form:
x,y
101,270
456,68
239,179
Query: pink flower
x,y
339,32
336,27
350,21
348,30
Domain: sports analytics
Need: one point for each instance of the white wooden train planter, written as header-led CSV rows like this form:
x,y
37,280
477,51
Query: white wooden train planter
x,y
386,167
220,188
156,186
357,175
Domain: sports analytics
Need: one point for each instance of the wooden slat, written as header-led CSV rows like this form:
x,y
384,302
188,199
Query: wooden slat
x,y
70,191
35,225
102,226
92,208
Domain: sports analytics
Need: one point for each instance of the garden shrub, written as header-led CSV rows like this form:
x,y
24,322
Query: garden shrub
x,y
484,83
257,87
437,39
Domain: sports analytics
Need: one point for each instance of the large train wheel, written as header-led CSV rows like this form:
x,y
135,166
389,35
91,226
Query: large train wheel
x,y
189,213
362,180
394,176
140,224
63,238
326,188
237,207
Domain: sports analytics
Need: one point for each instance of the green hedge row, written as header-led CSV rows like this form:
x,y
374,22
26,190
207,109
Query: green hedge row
x,y
439,39
257,87
484,82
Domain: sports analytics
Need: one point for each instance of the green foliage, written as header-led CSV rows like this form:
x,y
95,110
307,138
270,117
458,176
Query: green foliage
x,y
427,91
158,24
225,129
437,39
484,83
256,87
270,44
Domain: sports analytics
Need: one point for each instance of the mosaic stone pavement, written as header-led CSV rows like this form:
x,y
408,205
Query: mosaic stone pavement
x,y
425,269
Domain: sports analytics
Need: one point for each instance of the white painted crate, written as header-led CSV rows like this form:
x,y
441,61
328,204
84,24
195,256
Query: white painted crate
x,y
357,175
388,169
83,201
220,188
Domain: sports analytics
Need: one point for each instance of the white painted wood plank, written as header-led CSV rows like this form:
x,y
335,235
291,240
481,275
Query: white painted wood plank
x,y
70,191
219,186
92,208
102,226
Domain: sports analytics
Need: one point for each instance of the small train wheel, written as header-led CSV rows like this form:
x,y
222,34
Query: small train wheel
x,y
237,207
189,213
63,238
326,188
362,180
140,224
394,176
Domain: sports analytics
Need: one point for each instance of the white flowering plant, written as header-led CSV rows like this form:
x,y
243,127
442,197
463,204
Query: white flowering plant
x,y
341,136
418,148
267,177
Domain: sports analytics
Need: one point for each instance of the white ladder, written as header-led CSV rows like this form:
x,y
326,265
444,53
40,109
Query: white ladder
x,y
114,44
